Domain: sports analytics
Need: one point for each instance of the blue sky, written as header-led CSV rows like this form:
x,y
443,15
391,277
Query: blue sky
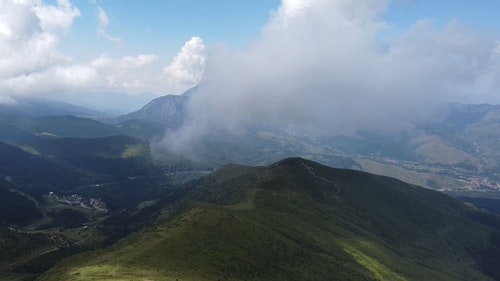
x,y
81,50
162,27
165,25
482,14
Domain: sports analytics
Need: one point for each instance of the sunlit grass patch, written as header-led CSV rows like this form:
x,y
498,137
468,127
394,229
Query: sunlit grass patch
x,y
134,151
374,265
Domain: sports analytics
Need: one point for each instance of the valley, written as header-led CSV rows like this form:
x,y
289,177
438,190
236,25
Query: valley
x,y
74,185
282,140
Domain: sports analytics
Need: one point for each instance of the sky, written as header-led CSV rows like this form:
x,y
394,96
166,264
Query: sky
x,y
301,62
81,50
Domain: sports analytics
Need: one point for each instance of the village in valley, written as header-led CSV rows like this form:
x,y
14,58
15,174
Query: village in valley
x,y
77,200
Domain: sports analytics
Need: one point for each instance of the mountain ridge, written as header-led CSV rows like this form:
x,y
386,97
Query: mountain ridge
x,y
168,110
39,107
299,220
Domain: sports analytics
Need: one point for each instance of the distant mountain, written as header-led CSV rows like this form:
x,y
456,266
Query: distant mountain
x,y
168,110
464,115
22,129
474,129
120,156
456,153
299,220
19,129
43,107
115,103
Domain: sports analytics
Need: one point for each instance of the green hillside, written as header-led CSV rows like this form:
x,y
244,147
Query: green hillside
x,y
18,129
64,164
40,183
142,129
299,220
117,155
35,173
16,209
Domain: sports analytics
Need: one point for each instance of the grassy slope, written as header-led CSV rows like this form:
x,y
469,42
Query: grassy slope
x,y
297,220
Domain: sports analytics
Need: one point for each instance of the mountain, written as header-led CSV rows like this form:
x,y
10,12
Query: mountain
x,y
299,220
166,110
43,107
114,103
118,169
457,153
474,129
19,129
112,155
22,129
142,129
36,174
15,207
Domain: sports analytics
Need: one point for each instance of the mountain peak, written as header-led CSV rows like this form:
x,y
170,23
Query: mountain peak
x,y
291,161
167,110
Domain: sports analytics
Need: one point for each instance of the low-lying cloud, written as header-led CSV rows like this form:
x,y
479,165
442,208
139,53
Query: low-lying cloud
x,y
324,65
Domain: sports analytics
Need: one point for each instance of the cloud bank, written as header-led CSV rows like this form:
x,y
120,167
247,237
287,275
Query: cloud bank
x,y
32,65
29,34
324,65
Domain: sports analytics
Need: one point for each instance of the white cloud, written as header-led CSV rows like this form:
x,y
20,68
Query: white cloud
x,y
187,68
103,22
102,18
320,64
55,18
55,79
30,63
138,61
5,30
290,9
126,74
102,62
31,30
17,20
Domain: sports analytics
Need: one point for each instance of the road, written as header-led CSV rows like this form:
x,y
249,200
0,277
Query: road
x,y
27,259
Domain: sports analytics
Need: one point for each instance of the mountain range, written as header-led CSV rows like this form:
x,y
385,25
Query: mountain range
x,y
74,180
457,153
43,107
